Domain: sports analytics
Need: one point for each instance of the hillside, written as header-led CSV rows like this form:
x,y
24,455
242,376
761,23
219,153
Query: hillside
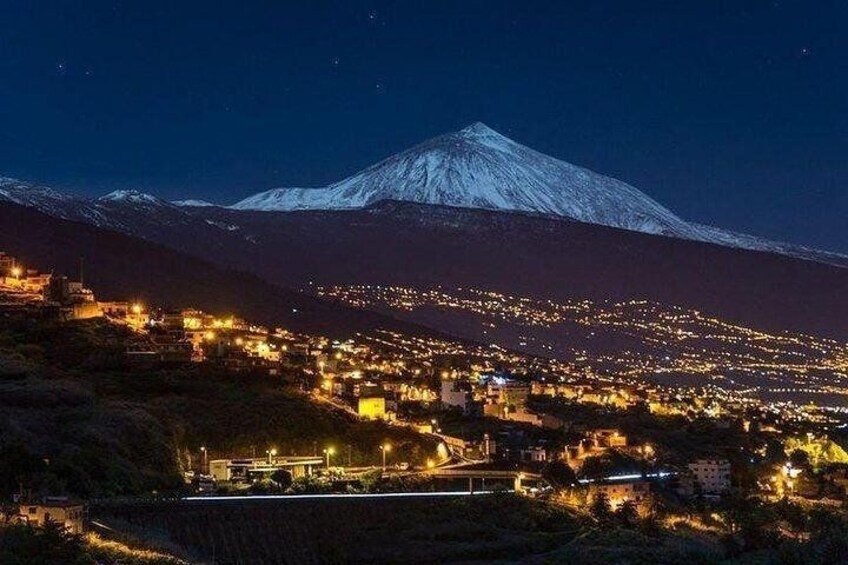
x,y
75,418
426,246
121,267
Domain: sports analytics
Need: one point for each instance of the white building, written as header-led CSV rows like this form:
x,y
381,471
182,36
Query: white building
x,y
457,394
713,475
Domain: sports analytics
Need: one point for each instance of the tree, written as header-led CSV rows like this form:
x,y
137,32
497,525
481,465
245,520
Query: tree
x,y
627,513
600,509
18,466
282,478
799,458
612,462
559,475
22,544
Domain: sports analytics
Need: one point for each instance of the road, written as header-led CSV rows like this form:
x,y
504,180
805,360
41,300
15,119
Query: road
x,y
330,496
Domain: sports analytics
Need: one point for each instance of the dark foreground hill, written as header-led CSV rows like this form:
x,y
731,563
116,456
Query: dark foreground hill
x,y
76,419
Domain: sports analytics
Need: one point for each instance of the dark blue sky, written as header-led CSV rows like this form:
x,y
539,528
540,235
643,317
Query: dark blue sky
x,y
733,113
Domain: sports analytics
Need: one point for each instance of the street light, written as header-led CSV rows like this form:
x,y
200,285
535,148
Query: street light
x,y
271,454
17,272
328,452
205,462
137,308
385,448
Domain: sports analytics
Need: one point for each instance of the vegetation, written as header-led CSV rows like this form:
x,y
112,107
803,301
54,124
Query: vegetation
x,y
815,451
502,527
51,544
360,530
75,418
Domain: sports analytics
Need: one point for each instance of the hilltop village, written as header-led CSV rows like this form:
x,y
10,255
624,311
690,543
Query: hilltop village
x,y
493,418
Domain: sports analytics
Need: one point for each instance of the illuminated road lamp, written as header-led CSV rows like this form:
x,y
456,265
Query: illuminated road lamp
x,y
328,453
209,336
271,454
137,308
385,448
17,272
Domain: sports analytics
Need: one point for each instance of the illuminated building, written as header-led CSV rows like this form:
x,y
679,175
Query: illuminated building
x,y
619,492
712,475
372,407
58,510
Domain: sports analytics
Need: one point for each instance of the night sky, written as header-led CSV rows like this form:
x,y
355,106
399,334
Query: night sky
x,y
732,113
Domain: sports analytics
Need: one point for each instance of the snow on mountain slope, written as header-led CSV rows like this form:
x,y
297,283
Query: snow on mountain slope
x,y
474,168
479,168
133,197
36,196
191,203
128,211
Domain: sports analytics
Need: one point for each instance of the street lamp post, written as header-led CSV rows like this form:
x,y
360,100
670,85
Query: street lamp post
x,y
328,452
205,461
385,448
271,454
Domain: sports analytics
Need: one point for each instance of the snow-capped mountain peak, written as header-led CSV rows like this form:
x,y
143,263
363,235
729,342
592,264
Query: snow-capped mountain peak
x,y
131,196
481,133
27,193
192,203
478,167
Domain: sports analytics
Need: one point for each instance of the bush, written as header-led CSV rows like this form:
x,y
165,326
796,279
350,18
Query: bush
x,y
49,545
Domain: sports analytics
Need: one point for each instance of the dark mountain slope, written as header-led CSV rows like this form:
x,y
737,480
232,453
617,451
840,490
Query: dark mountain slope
x,y
118,266
412,244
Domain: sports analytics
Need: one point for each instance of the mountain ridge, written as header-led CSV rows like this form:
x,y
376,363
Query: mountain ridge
x,y
475,168
478,167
